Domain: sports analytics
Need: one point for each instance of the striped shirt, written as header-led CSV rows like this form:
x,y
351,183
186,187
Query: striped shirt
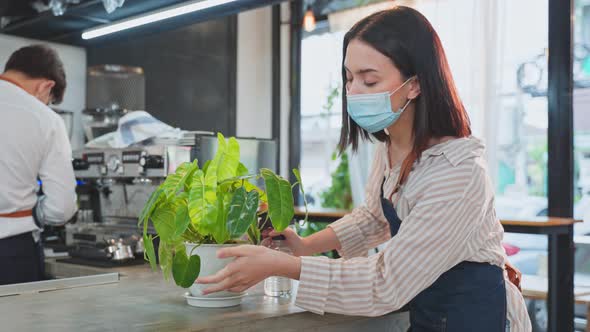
x,y
448,216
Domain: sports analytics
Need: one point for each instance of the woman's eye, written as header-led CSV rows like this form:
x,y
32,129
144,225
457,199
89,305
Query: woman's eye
x,y
369,84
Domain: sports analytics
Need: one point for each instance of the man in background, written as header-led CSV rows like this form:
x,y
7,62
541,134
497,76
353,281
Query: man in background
x,y
33,145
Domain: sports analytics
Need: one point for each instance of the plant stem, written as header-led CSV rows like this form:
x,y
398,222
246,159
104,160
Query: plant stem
x,y
264,223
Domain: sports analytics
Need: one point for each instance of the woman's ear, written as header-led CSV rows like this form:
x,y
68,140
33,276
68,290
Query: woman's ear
x,y
414,88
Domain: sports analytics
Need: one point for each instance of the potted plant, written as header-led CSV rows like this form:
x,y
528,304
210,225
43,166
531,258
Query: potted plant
x,y
198,210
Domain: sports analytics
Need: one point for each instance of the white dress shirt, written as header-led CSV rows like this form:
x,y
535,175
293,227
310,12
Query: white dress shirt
x,y
33,144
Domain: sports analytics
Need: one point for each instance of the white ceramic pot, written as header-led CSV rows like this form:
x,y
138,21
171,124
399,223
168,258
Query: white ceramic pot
x,y
210,265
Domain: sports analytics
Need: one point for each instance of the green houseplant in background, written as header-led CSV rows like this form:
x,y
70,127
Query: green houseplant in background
x,y
195,211
339,194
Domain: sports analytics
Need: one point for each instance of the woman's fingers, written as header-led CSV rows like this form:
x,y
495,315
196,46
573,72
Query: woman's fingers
x,y
234,283
239,288
217,277
223,285
239,251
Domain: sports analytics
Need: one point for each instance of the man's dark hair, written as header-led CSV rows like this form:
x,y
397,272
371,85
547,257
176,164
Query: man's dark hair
x,y
40,61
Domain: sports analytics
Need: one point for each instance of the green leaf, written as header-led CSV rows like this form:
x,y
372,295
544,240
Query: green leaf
x,y
175,182
166,253
213,165
197,205
242,181
184,195
171,219
165,258
149,207
242,170
250,186
181,220
185,270
219,230
298,176
149,251
203,206
280,199
164,220
179,247
189,178
206,166
229,185
211,174
229,159
254,232
242,211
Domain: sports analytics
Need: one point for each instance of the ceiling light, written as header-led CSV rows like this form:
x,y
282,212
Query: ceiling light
x,y
155,16
309,20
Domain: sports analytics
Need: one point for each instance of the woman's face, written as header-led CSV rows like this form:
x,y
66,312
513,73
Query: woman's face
x,y
369,71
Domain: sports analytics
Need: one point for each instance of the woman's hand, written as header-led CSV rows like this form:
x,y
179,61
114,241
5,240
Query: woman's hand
x,y
251,265
296,243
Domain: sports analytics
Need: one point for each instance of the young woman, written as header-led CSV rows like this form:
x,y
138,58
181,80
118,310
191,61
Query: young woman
x,y
429,198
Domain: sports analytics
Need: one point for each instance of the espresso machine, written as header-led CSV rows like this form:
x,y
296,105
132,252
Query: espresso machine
x,y
114,185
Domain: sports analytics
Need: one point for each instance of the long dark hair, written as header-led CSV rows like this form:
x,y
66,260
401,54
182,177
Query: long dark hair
x,y
409,40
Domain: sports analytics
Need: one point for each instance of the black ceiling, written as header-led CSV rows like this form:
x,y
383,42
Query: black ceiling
x,y
23,20
26,22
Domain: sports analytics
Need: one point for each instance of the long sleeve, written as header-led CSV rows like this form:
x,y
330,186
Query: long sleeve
x,y
434,237
365,227
58,204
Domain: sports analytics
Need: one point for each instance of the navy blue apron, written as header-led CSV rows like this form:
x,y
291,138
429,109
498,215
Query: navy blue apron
x,y
468,297
21,259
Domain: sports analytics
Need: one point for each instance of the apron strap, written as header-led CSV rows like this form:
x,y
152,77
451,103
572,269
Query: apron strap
x,y
17,214
404,172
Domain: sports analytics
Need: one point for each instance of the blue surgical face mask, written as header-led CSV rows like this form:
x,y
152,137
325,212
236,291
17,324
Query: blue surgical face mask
x,y
372,111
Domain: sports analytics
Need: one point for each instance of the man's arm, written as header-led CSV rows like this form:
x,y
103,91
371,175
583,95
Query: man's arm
x,y
58,204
